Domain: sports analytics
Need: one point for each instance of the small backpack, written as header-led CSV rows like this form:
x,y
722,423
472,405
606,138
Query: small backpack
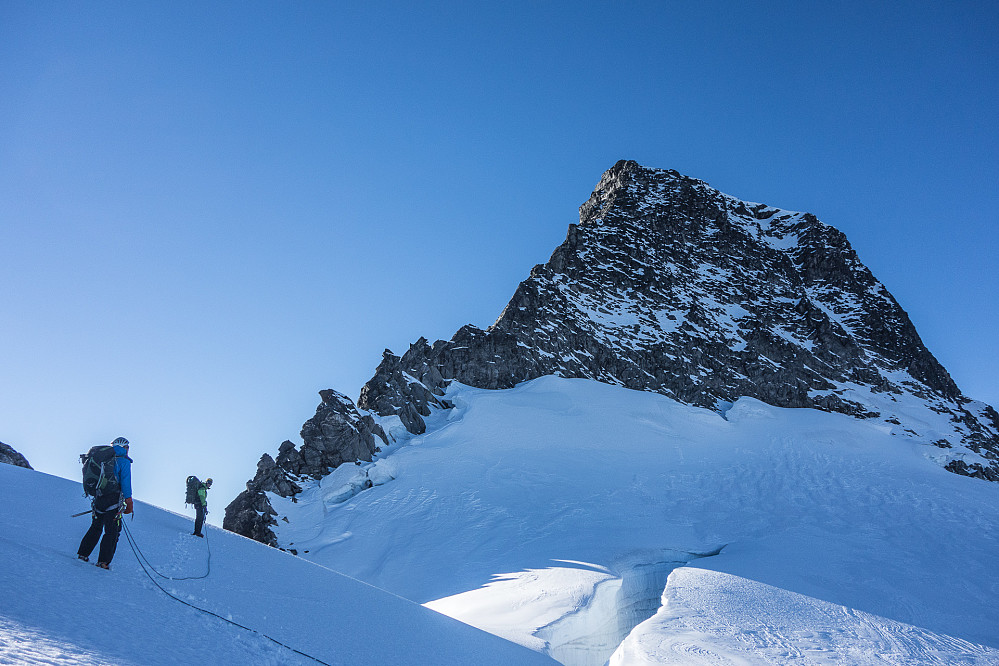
x,y
192,490
99,479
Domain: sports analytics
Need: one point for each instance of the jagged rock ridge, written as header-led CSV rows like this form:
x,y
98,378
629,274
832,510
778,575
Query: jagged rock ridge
x,y
337,433
11,457
668,285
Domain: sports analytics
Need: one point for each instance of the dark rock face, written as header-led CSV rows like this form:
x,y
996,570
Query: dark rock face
x,y
251,513
406,386
11,457
976,470
668,285
337,433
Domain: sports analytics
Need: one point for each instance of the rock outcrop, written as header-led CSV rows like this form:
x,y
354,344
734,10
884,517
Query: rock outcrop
x,y
11,457
669,285
337,433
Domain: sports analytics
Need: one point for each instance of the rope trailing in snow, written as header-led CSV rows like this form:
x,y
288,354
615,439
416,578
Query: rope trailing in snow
x,y
139,553
142,565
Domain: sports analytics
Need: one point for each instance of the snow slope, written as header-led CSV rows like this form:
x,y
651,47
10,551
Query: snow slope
x,y
58,610
750,622
562,514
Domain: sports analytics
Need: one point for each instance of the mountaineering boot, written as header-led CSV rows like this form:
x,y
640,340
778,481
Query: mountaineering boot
x,y
104,565
83,557
198,535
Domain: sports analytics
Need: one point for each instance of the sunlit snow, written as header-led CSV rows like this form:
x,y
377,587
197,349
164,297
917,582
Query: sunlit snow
x,y
58,610
562,513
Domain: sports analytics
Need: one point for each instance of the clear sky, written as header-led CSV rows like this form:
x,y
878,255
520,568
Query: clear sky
x,y
211,211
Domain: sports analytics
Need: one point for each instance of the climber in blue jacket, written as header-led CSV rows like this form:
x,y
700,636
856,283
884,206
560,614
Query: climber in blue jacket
x,y
107,509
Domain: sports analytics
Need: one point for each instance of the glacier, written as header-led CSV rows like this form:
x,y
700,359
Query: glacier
x,y
599,524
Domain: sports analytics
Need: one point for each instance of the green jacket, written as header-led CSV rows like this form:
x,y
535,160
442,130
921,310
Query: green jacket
x,y
203,495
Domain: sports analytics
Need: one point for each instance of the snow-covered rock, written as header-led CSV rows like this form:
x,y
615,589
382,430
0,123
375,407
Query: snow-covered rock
x,y
669,285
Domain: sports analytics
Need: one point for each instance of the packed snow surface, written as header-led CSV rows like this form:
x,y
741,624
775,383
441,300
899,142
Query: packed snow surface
x,y
56,609
594,524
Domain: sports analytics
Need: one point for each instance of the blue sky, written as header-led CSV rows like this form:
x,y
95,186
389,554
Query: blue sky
x,y
211,211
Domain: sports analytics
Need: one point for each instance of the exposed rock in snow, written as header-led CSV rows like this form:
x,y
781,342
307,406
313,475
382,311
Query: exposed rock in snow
x,y
11,457
406,386
337,433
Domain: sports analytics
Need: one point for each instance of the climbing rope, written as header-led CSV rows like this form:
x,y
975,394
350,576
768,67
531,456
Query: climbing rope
x,y
140,554
142,565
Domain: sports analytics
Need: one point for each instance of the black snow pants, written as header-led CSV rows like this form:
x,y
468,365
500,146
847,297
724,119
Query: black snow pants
x,y
199,518
108,522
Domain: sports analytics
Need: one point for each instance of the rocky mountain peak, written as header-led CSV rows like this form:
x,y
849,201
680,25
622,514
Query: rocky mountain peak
x,y
668,285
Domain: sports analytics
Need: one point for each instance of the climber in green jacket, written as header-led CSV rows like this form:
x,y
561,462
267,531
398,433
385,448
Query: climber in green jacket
x,y
201,507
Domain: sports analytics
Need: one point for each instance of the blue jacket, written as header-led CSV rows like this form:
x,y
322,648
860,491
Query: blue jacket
x,y
123,470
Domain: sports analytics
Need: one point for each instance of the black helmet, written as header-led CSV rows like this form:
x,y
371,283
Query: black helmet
x,y
121,441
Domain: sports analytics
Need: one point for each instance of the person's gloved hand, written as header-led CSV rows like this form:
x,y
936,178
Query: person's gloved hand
x,y
128,505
